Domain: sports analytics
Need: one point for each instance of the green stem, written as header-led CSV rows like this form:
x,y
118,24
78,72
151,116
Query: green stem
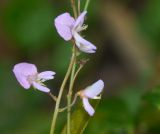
x,y
73,102
74,8
76,74
79,7
69,96
61,92
52,96
86,5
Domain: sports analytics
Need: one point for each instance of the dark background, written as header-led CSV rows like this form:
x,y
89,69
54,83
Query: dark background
x,y
127,34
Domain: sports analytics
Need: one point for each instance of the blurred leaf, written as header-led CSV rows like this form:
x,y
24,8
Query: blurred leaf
x,y
150,22
80,119
61,57
133,93
112,117
29,22
153,97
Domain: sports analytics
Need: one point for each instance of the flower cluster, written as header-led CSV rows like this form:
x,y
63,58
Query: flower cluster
x,y
69,29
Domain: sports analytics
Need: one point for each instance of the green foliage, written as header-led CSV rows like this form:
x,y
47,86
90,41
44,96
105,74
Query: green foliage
x,y
29,22
150,23
153,97
80,119
112,117
29,25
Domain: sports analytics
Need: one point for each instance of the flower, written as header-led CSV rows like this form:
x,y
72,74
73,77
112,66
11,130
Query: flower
x,y
69,28
28,76
91,92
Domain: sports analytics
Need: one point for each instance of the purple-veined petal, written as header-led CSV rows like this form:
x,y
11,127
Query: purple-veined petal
x,y
84,45
94,90
80,19
64,24
40,87
46,75
88,107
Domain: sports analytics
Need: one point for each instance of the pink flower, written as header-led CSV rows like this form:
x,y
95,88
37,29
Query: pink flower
x,y
69,28
91,92
28,76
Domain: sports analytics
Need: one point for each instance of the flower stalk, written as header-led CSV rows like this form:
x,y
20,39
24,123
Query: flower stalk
x,y
86,5
73,102
74,8
79,7
61,92
69,96
52,96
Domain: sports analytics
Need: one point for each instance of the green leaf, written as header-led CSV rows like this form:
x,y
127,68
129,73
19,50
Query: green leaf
x,y
153,97
80,119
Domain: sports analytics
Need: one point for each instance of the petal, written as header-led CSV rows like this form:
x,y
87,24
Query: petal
x,y
84,45
88,107
22,71
64,24
40,87
80,19
23,81
94,90
46,75
25,69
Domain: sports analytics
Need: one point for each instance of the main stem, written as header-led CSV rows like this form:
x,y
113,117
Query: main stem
x,y
61,92
69,96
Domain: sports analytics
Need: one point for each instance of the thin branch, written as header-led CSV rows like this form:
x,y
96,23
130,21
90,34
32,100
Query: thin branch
x,y
61,92
82,63
79,7
52,96
86,5
74,8
73,102
69,95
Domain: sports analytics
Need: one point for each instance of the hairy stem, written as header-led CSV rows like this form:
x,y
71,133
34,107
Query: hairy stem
x,y
61,92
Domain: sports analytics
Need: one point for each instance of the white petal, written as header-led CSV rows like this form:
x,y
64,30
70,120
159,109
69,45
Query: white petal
x,y
83,44
80,19
94,90
88,107
40,87
46,75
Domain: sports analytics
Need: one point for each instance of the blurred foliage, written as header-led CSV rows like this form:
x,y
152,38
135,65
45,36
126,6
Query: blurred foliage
x,y
150,23
30,22
28,34
153,97
80,119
